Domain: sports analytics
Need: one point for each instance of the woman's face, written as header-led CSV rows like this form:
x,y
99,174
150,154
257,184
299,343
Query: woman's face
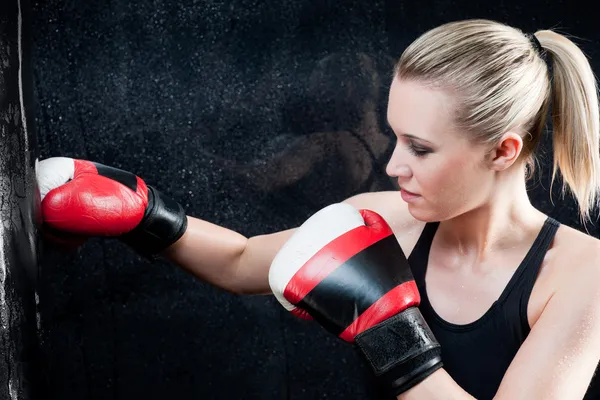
x,y
440,172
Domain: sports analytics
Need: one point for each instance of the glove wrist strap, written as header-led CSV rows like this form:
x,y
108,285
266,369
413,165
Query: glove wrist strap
x,y
164,222
401,350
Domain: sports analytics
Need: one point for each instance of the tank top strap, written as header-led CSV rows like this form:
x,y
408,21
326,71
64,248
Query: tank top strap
x,y
524,277
419,256
521,286
538,251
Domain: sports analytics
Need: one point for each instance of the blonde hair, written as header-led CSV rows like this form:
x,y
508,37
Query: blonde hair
x,y
503,82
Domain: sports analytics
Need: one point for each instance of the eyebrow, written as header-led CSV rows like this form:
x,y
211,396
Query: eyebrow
x,y
408,135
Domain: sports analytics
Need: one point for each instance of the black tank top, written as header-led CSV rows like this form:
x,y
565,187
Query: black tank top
x,y
476,355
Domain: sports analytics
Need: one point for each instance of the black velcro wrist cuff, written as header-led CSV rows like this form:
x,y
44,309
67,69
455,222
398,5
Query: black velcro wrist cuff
x,y
401,350
163,224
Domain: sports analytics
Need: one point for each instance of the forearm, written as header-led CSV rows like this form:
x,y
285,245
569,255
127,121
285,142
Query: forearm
x,y
225,258
438,386
209,252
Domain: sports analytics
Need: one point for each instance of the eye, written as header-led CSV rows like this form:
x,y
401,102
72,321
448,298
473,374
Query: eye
x,y
418,151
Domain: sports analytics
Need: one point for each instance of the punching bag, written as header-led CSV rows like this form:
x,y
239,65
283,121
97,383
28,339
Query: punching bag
x,y
19,205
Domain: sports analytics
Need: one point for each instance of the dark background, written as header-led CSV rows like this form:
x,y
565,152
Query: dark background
x,y
196,97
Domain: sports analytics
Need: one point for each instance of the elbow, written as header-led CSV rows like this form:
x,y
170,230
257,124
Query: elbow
x,y
245,281
243,289
234,286
239,290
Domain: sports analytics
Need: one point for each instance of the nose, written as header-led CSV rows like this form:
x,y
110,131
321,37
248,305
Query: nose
x,y
397,166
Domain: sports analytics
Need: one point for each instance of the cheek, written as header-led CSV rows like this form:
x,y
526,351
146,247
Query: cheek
x,y
436,178
451,183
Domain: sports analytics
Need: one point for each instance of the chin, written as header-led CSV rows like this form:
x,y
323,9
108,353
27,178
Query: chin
x,y
430,213
423,214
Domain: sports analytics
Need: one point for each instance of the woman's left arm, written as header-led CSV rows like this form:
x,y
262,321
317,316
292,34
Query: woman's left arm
x,y
559,356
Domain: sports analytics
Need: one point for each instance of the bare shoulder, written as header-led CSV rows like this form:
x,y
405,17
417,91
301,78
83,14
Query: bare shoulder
x,y
576,256
387,204
394,210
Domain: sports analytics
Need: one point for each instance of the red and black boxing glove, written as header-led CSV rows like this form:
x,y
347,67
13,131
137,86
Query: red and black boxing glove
x,y
345,269
82,199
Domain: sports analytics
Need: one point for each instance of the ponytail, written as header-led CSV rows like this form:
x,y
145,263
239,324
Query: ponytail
x,y
576,120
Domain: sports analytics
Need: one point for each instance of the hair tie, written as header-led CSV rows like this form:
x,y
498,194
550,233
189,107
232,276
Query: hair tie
x,y
536,43
544,55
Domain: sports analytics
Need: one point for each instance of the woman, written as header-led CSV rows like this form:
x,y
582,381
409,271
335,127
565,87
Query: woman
x,y
511,295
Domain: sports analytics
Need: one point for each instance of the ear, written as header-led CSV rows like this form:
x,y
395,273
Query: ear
x,y
506,151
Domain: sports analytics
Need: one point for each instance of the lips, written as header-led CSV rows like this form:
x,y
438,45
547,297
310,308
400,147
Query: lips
x,y
409,192
409,197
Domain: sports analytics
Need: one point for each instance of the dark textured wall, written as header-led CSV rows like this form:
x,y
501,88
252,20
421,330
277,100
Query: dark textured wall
x,y
253,115
19,214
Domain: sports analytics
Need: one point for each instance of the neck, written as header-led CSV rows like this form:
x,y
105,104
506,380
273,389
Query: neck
x,y
503,220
